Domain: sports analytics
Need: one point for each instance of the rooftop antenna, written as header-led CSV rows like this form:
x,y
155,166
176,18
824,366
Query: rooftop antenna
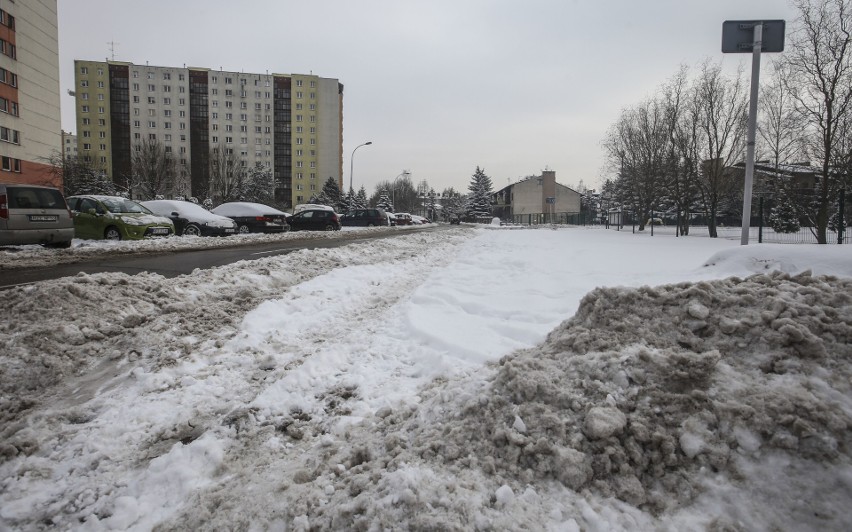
x,y
112,49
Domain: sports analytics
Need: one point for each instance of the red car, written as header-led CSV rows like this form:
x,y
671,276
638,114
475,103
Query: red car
x,y
403,218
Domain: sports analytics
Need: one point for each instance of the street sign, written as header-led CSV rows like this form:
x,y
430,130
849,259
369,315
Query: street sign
x,y
550,200
738,36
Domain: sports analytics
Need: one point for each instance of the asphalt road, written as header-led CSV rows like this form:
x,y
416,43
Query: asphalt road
x,y
175,263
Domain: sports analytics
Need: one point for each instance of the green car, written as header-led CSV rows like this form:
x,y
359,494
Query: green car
x,y
115,218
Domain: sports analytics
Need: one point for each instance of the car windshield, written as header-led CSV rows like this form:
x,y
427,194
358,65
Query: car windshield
x,y
119,206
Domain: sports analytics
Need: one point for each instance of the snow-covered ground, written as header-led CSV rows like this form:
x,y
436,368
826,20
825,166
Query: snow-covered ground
x,y
570,379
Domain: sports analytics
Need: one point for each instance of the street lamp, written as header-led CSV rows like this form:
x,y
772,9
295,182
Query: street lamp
x,y
352,161
393,186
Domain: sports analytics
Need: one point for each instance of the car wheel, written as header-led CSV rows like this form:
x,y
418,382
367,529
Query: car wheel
x,y
112,233
329,227
243,229
192,230
370,225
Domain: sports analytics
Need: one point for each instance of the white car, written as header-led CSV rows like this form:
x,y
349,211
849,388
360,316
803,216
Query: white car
x,y
192,219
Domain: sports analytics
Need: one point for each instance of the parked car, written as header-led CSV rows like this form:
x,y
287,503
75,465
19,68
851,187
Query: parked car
x,y
454,219
192,219
365,218
254,217
32,214
314,220
403,218
391,218
415,219
305,206
115,218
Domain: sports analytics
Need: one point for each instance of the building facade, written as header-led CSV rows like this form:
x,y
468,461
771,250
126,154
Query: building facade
x,y
289,124
539,196
69,145
29,91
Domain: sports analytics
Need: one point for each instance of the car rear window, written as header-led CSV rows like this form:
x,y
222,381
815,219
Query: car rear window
x,y
35,198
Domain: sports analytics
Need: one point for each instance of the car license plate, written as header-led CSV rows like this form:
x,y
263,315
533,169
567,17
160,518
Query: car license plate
x,y
230,230
43,217
159,230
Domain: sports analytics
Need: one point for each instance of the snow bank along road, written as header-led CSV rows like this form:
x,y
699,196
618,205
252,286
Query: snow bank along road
x,y
26,264
433,381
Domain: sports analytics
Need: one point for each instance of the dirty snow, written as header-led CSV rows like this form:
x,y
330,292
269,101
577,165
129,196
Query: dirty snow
x,y
570,379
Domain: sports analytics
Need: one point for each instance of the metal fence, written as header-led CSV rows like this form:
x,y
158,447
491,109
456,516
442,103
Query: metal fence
x,y
727,227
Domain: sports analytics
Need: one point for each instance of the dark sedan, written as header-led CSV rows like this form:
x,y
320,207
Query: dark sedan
x,y
191,219
254,217
315,220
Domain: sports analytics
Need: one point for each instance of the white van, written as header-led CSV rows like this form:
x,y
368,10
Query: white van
x,y
32,214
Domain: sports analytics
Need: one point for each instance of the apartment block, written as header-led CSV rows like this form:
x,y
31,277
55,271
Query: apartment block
x,y
29,91
290,124
69,145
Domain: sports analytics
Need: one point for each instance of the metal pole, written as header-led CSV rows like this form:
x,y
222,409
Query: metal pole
x,y
760,221
752,126
841,216
352,162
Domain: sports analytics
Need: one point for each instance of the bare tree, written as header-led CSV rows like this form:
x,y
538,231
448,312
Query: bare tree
x,y
779,126
681,180
227,178
153,168
819,60
719,109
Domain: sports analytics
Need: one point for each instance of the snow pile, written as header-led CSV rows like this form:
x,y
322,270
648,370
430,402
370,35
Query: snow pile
x,y
652,396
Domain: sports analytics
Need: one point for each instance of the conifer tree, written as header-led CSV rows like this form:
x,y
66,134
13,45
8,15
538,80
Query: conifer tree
x,y
783,218
479,199
384,202
361,199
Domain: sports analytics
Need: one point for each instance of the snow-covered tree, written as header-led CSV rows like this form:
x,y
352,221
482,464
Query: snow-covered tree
x,y
80,176
361,198
431,203
384,202
479,200
259,185
332,191
783,217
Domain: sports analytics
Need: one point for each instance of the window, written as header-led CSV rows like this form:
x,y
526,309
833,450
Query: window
x,y
299,94
215,79
167,112
136,99
229,105
227,81
215,127
313,84
228,93
214,91
152,112
86,121
181,101
229,140
167,101
135,73
87,134
151,123
180,77
84,96
152,100
167,76
11,136
183,125
183,138
229,127
229,116
168,149
136,123
167,125
11,165
243,105
137,135
102,134
84,83
298,107
215,116
101,122
150,75
168,137
101,97
215,139
85,109
102,147
151,87
298,83
243,129
87,147
100,84
152,136
136,86
298,118
84,70
103,159
243,117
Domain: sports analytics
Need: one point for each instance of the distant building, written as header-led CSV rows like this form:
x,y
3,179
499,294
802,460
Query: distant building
x,y
289,123
29,91
535,200
69,145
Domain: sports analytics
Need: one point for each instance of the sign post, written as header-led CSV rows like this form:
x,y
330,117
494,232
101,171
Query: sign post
x,y
755,36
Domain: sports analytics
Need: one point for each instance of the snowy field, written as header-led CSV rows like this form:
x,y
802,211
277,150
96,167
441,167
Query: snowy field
x,y
470,379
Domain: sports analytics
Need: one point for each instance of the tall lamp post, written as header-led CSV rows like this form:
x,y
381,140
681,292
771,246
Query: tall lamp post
x,y
393,186
352,162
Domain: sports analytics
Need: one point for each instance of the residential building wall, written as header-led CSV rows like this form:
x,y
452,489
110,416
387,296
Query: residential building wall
x,y
29,89
530,197
291,124
69,145
92,106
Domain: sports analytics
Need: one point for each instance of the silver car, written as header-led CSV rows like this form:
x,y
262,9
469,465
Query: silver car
x,y
31,214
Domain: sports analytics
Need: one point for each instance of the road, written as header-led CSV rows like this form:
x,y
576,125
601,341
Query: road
x,y
175,263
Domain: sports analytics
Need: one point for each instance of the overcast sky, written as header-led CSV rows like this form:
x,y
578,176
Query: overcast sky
x,y
438,86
